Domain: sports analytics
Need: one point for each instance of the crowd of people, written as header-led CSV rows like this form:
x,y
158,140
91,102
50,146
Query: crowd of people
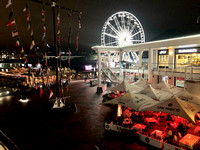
x,y
173,128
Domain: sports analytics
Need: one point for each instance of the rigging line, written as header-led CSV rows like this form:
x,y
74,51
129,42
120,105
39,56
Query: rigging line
x,y
16,25
49,4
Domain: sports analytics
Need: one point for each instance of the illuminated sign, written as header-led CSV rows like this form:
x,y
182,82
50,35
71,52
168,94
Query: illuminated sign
x,y
163,52
187,50
88,67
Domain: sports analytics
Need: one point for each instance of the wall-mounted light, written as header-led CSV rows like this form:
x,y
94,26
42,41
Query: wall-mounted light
x,y
170,53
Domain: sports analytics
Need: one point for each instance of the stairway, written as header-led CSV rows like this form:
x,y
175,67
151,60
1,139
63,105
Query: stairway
x,y
110,75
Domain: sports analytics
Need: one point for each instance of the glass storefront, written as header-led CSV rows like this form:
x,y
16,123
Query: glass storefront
x,y
188,60
163,58
179,82
187,57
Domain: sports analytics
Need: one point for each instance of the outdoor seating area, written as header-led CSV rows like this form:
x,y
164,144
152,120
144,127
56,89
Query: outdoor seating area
x,y
162,121
161,127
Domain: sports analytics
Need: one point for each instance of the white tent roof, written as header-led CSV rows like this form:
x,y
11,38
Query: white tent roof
x,y
132,100
124,86
157,94
186,96
163,86
175,106
142,83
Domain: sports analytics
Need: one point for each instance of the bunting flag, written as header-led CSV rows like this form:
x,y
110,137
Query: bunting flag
x,y
10,15
37,86
58,32
58,20
43,36
79,20
76,45
15,33
29,25
22,51
9,3
17,43
51,94
26,60
79,27
43,14
32,44
11,23
25,8
44,29
67,88
28,16
41,92
45,58
32,34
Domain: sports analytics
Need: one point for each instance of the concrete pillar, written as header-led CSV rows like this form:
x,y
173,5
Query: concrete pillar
x,y
109,59
99,88
140,64
150,66
120,66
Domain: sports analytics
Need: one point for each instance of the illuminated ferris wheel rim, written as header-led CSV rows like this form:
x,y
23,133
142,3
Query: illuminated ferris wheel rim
x,y
122,29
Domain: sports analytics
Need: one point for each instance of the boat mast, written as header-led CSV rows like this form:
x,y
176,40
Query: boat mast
x,y
56,49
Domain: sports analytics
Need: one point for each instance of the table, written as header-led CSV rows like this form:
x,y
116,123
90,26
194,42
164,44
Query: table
x,y
150,120
196,130
158,134
189,140
139,127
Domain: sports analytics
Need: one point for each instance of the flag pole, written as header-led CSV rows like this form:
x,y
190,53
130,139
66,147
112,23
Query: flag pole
x,y
56,49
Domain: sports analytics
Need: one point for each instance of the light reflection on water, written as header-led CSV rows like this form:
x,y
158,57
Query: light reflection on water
x,y
5,99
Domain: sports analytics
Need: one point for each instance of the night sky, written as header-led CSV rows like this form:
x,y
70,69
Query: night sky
x,y
156,17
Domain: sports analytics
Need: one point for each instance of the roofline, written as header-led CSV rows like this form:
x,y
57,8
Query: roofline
x,y
187,41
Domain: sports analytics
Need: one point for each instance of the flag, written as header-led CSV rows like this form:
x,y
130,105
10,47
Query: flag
x,y
32,44
11,23
44,29
58,38
17,43
28,16
26,60
76,45
10,15
58,32
37,86
14,33
44,35
9,3
79,20
31,34
67,88
22,50
62,91
25,8
41,91
45,58
29,25
43,19
58,22
43,12
51,94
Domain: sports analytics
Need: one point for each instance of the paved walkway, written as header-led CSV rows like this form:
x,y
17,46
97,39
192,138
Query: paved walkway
x,y
33,127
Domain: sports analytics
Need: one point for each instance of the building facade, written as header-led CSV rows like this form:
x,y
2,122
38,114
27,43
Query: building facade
x,y
173,60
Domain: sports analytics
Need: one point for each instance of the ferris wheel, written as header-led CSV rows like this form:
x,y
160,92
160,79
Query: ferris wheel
x,y
122,29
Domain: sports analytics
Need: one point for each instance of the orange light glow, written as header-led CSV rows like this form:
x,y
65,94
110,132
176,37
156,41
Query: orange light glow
x,y
119,110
